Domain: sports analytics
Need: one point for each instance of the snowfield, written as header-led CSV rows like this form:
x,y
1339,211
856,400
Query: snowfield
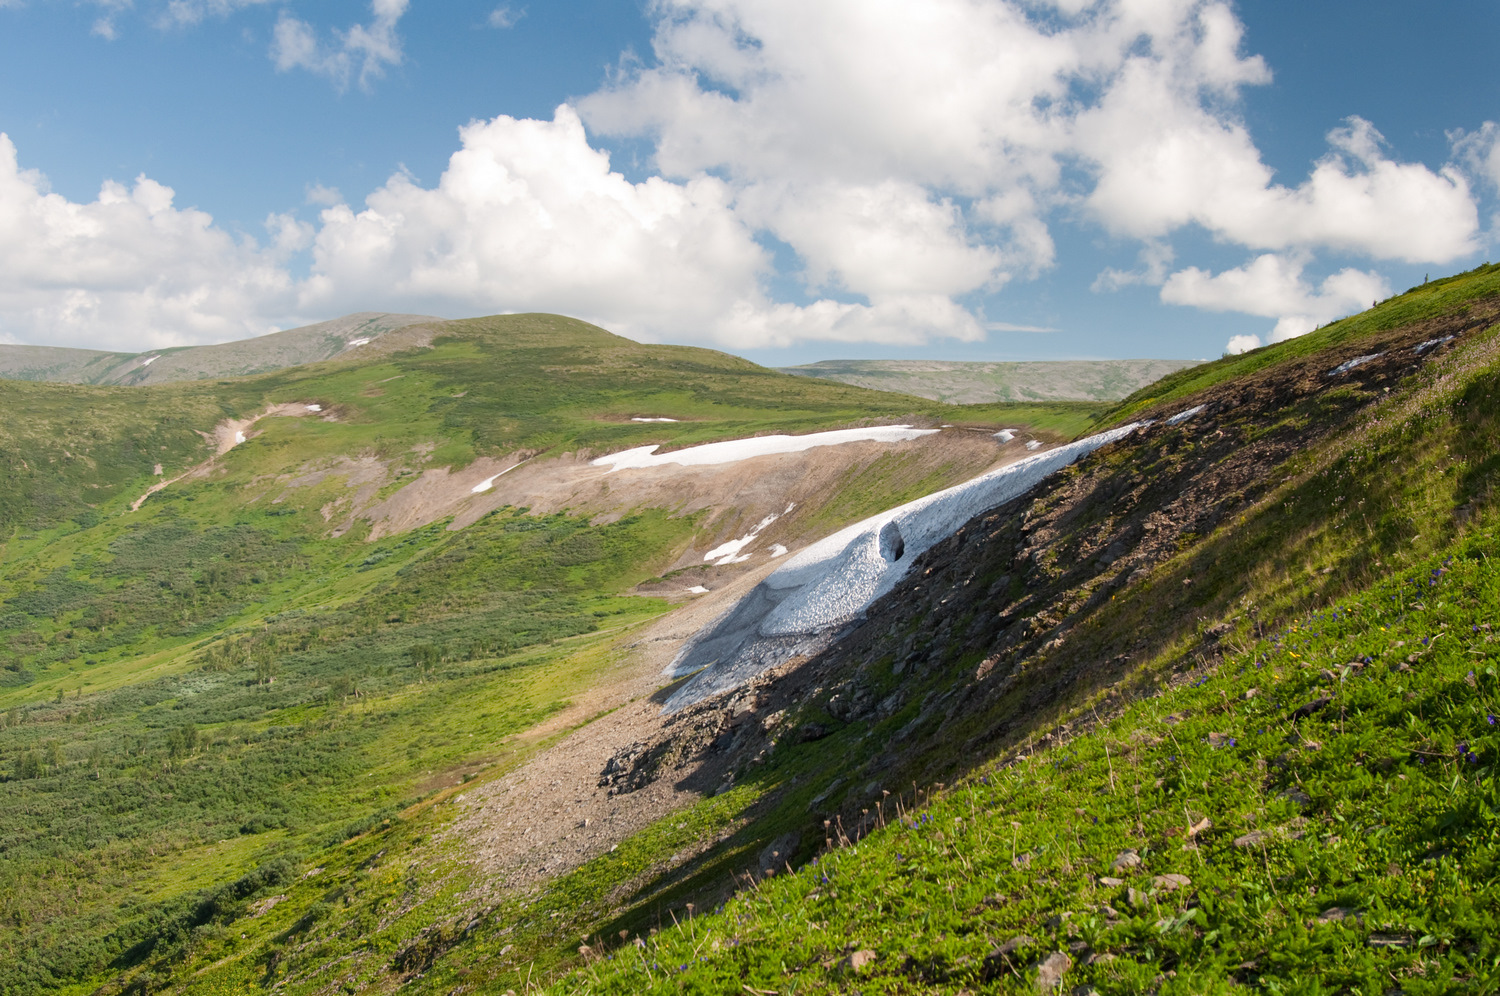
x,y
1185,415
734,450
803,605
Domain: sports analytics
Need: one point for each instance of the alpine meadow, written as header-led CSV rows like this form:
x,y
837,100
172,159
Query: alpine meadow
x,y
349,676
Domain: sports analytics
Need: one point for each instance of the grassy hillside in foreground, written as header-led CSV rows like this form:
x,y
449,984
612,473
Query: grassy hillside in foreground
x,y
1315,815
1300,798
959,382
204,699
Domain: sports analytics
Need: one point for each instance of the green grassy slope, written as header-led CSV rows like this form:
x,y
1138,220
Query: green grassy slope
x,y
1315,816
203,699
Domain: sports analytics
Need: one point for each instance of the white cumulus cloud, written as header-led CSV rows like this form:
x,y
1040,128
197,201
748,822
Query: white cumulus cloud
x,y
128,271
1272,286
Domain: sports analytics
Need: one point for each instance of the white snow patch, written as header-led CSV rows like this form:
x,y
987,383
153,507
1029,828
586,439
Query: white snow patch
x,y
806,601
313,408
359,342
1034,444
239,437
777,550
729,553
697,589
489,482
150,360
1005,435
653,420
734,450
1358,361
1433,342
1184,416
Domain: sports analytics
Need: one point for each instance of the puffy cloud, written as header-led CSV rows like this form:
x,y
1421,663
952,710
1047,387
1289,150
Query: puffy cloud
x,y
529,216
1273,286
295,45
128,270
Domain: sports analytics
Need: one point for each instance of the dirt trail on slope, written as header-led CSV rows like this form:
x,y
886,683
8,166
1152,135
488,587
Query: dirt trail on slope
x,y
226,436
550,815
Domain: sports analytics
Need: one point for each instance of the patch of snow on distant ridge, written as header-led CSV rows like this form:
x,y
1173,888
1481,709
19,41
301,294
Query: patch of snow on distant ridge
x,y
1424,347
653,420
239,437
734,450
777,550
1034,444
313,408
697,589
150,360
802,605
359,342
1005,435
1184,416
1358,361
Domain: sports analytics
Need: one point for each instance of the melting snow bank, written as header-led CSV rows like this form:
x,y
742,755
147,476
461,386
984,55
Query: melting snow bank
x,y
801,606
653,420
729,553
1184,416
1358,361
734,450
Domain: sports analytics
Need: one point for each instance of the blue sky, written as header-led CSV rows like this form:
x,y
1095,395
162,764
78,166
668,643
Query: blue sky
x,y
965,179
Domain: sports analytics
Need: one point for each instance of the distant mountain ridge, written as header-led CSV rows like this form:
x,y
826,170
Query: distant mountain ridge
x,y
967,383
240,358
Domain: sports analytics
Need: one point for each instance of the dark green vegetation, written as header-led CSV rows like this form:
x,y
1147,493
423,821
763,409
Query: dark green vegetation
x,y
205,699
959,382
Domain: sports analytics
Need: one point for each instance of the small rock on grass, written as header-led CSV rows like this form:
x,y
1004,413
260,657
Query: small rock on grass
x,y
859,959
1050,971
1172,881
1126,860
1337,914
1250,839
1111,883
1138,899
